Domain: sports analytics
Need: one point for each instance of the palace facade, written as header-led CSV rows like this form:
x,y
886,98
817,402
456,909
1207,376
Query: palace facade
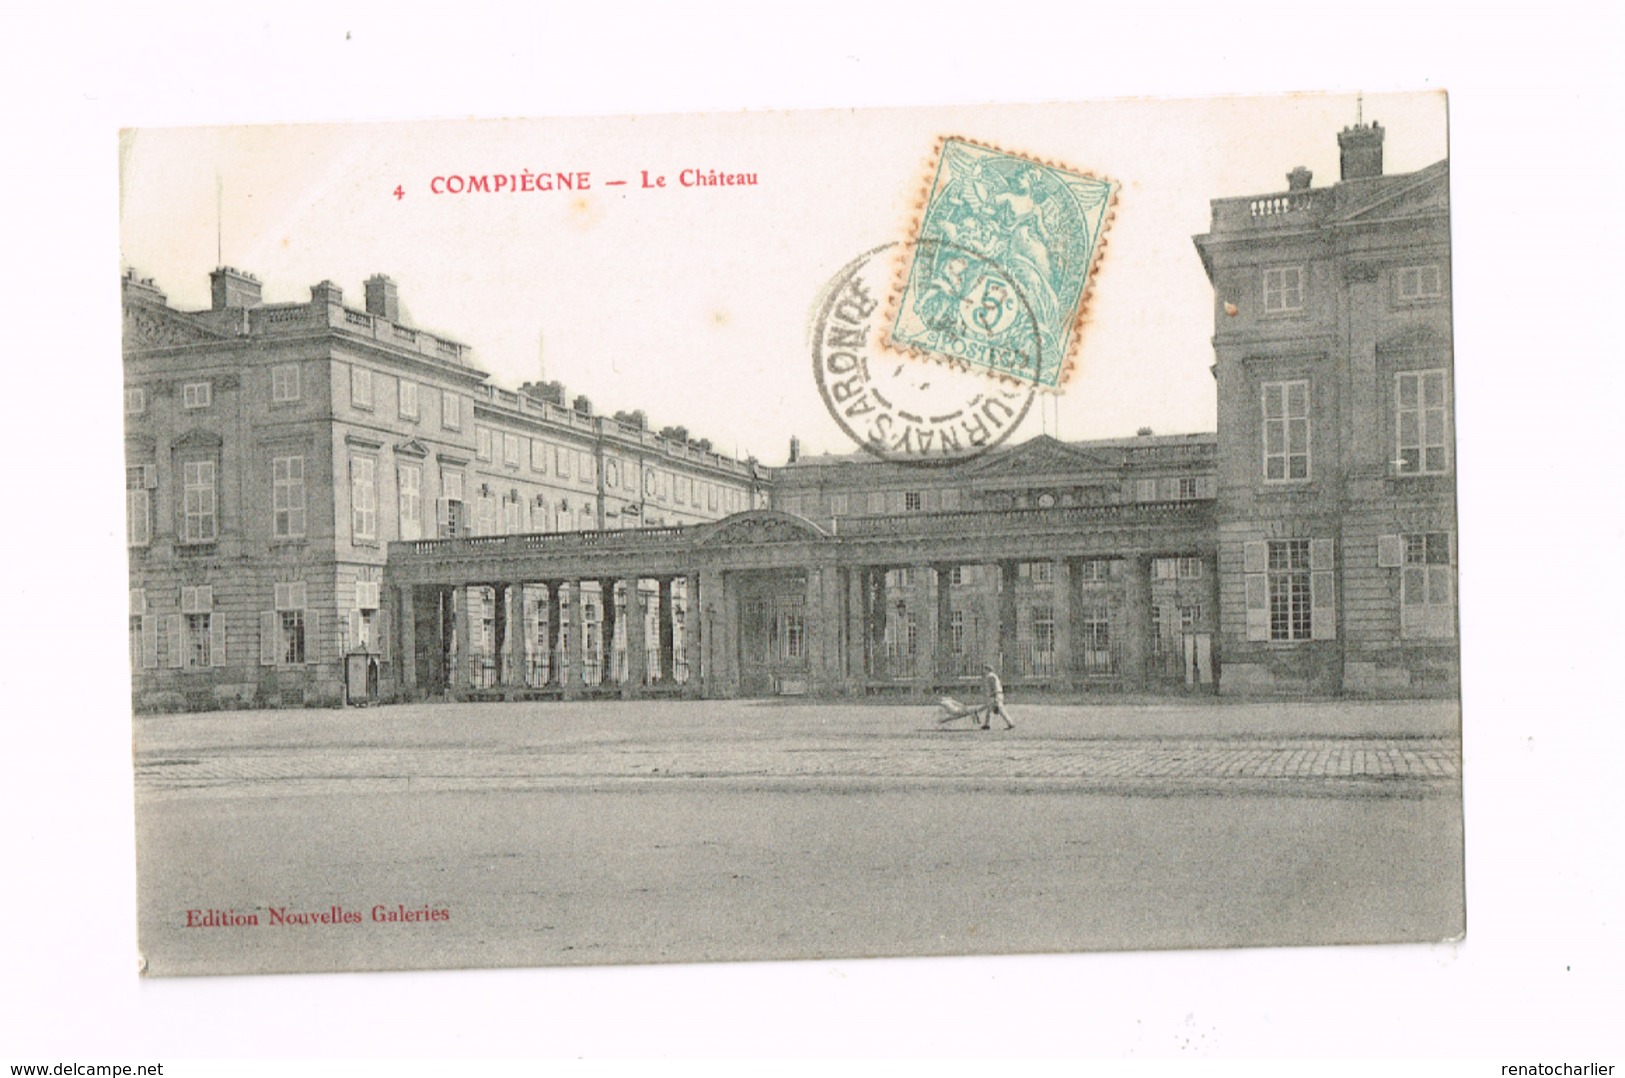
x,y
326,503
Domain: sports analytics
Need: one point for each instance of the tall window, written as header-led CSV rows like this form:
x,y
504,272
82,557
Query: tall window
x,y
1419,283
361,387
538,455
1283,289
1420,423
913,501
363,498
1289,600
1096,651
408,408
409,478
288,497
135,401
561,461
1286,431
143,638
1043,652
451,411
285,382
196,394
1427,590
510,450
285,639
202,644
482,443
510,516
198,520
1094,569
450,520
138,505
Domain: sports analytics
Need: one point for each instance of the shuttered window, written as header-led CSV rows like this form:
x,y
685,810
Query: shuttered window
x,y
1290,590
1427,582
288,497
138,484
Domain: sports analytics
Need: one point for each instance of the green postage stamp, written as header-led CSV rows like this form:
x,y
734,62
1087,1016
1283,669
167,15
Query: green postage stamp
x,y
1004,254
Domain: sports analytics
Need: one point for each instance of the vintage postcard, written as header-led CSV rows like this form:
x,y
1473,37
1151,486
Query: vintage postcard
x,y
788,535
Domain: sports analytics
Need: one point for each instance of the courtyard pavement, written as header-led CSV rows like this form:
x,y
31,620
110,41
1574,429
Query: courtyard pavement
x,y
1325,748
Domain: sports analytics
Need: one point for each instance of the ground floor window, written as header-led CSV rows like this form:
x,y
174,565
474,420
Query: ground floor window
x,y
1289,600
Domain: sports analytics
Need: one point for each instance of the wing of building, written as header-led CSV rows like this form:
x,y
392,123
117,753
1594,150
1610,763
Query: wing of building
x,y
1336,467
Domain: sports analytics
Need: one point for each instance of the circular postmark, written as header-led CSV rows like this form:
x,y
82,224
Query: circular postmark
x,y
910,410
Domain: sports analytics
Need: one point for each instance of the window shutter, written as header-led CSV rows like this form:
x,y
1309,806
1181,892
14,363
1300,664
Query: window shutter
x,y
1390,551
1258,607
353,641
442,512
138,602
1255,556
1320,554
1322,602
313,635
149,643
382,646
1204,486
149,476
217,639
1145,490
270,637
176,641
188,600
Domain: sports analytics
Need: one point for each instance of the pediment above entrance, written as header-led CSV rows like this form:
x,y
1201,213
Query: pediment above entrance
x,y
759,526
1039,458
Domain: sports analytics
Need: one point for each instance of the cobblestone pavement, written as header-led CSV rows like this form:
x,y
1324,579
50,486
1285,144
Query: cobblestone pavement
x,y
1339,766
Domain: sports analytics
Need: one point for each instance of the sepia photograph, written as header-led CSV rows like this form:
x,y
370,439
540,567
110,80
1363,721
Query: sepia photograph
x,y
792,535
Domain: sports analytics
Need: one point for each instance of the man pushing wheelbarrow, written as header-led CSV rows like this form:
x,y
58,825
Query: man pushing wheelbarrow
x,y
981,714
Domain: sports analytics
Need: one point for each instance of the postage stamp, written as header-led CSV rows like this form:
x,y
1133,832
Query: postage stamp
x,y
901,411
1000,235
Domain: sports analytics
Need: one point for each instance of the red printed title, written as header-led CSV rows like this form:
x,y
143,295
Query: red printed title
x,y
527,181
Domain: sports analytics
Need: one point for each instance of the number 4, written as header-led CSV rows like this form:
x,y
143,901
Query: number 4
x,y
399,193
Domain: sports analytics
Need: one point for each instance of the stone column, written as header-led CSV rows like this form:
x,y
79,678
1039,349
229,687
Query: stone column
x,y
925,618
828,624
943,664
1009,638
1066,607
407,655
463,664
857,626
1136,649
692,636
513,667
574,649
668,633
637,628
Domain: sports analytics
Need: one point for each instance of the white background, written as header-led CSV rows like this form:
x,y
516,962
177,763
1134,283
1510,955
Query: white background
x,y
1534,125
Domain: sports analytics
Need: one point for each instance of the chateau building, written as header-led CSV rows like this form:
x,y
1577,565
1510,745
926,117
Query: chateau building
x,y
274,451
327,503
1336,469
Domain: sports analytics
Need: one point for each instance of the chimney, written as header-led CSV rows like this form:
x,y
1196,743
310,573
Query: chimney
x,y
1361,147
583,405
233,288
1298,179
327,293
382,298
795,449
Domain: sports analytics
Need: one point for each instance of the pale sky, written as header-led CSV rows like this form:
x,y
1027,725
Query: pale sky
x,y
692,303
